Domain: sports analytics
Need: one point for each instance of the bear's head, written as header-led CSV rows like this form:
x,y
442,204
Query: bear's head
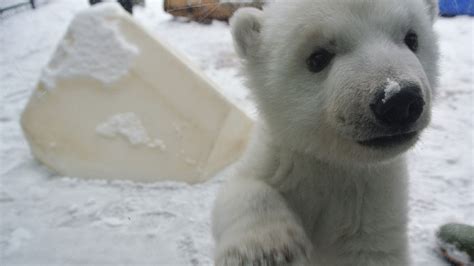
x,y
345,80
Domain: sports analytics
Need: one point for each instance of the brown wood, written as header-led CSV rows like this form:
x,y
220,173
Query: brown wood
x,y
205,11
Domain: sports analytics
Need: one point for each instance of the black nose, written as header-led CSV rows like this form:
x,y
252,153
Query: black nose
x,y
398,109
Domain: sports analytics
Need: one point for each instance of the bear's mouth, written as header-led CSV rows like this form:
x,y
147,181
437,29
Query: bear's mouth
x,y
387,141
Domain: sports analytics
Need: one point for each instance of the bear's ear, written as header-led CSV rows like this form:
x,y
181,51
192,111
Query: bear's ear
x,y
246,24
432,8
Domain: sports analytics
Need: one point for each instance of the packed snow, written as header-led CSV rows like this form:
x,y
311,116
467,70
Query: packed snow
x,y
390,90
93,47
56,220
127,125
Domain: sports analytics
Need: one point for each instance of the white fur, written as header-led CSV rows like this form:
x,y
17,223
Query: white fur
x,y
307,193
246,28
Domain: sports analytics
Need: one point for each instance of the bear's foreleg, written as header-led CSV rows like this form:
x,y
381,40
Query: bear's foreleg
x,y
254,226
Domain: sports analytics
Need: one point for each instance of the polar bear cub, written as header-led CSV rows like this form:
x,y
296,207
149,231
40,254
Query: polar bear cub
x,y
343,88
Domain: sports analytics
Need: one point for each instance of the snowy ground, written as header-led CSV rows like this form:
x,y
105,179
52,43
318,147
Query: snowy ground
x,y
53,220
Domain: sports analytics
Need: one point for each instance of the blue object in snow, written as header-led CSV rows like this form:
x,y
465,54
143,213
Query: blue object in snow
x,y
456,7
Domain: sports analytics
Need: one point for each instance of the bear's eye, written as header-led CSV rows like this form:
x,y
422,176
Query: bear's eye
x,y
411,40
319,60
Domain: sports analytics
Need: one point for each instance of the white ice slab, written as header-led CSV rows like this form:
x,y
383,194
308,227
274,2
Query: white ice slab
x,y
117,103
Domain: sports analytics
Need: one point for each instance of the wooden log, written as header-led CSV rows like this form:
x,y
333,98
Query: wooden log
x,y
205,11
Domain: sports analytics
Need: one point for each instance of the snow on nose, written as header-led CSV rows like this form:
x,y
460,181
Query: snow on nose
x,y
398,106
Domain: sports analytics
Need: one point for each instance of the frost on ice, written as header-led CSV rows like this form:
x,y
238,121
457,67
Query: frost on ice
x,y
93,47
391,89
130,127
127,125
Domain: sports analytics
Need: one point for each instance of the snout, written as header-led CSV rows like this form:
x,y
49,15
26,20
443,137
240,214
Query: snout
x,y
398,107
